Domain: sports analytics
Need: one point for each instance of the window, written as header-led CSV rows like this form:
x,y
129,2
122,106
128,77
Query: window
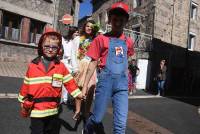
x,y
73,7
11,26
192,41
136,27
36,30
193,11
100,18
50,1
106,16
137,3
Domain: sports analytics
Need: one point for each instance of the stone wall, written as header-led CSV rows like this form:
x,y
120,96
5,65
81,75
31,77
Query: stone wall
x,y
35,9
14,52
171,21
50,12
143,16
39,6
101,7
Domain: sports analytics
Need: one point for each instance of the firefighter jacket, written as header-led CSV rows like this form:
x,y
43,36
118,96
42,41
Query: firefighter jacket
x,y
45,87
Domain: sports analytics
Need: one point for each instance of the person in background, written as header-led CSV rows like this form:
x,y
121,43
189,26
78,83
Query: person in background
x,y
130,83
67,44
80,63
134,71
161,77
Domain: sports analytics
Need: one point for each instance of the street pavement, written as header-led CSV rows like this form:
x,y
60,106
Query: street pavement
x,y
148,114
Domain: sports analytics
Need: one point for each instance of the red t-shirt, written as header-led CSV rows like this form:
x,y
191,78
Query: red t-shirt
x,y
99,48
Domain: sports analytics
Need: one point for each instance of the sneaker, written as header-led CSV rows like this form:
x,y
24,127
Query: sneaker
x,y
65,102
82,131
76,116
131,93
158,94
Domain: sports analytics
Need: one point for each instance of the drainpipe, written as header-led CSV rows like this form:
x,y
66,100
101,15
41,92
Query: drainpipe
x,y
54,15
187,51
172,22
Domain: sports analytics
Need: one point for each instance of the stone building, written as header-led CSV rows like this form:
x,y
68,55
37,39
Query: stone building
x,y
22,22
175,31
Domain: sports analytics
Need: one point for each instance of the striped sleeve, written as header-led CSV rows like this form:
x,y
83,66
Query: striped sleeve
x,y
70,84
24,88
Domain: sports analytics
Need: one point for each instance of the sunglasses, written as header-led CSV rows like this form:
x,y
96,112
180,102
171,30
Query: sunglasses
x,y
49,47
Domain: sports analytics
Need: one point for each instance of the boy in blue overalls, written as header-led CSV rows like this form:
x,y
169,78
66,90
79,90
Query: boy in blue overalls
x,y
110,52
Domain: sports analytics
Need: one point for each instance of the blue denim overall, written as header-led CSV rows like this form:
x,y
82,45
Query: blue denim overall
x,y
112,84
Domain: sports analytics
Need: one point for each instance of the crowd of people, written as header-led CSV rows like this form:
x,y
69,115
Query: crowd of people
x,y
81,65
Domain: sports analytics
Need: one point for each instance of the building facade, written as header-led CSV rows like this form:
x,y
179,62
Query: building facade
x,y
22,22
174,27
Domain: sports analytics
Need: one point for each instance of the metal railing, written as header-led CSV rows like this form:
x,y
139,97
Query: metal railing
x,y
142,41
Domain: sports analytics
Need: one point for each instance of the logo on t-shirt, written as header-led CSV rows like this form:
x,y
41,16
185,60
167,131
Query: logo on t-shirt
x,y
119,51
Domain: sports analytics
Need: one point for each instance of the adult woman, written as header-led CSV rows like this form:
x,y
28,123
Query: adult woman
x,y
161,77
80,64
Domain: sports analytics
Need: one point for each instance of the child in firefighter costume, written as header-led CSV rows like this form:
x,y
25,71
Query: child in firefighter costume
x,y
41,91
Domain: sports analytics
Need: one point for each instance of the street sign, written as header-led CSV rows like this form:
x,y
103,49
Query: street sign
x,y
67,19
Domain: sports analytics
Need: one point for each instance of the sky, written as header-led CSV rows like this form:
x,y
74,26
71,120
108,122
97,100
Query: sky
x,y
85,9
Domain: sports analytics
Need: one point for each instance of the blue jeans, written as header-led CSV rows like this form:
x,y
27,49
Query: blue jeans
x,y
113,87
161,84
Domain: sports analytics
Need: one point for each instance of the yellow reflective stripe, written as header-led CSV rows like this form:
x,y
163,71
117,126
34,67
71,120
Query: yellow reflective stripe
x,y
67,78
20,98
26,80
76,93
38,80
58,76
44,113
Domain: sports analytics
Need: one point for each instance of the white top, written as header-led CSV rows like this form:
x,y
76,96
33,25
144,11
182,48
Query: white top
x,y
67,47
70,53
74,54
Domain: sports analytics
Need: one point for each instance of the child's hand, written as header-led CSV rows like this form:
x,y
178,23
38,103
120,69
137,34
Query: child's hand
x,y
21,104
84,92
75,74
80,96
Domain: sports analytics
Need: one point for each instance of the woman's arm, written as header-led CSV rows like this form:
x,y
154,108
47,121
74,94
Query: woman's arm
x,y
90,71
